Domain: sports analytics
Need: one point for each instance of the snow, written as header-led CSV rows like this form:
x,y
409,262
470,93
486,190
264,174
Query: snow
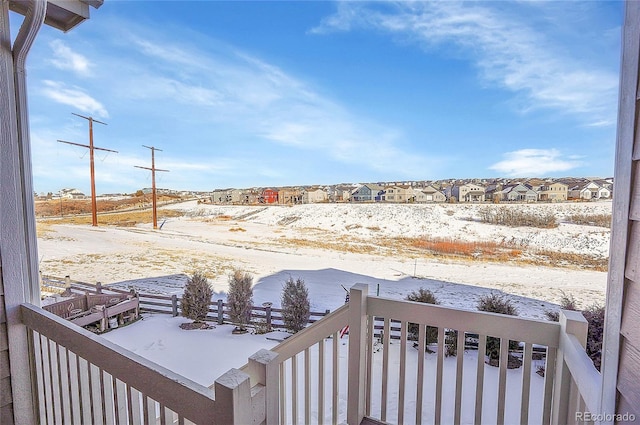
x,y
263,241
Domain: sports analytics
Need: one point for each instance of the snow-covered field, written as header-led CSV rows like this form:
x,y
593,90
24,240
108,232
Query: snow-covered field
x,y
329,246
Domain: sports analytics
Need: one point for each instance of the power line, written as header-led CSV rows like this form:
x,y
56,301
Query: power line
x,y
94,207
153,170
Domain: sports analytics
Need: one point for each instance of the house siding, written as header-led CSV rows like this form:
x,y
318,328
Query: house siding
x,y
6,398
621,359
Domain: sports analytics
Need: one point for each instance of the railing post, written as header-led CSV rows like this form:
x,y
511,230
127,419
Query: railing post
x,y
357,353
233,398
268,317
573,323
265,370
174,305
99,287
220,312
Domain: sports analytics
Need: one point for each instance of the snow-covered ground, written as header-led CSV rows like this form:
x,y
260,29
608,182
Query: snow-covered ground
x,y
329,246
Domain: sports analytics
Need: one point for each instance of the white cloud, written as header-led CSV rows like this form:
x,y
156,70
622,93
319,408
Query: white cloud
x,y
507,50
73,96
534,162
67,59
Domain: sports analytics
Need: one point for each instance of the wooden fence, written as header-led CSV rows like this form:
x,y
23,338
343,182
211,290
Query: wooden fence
x,y
267,317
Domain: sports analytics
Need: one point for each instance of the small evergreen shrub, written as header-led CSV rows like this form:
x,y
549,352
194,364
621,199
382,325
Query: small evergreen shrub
x,y
196,298
295,304
240,298
422,296
496,303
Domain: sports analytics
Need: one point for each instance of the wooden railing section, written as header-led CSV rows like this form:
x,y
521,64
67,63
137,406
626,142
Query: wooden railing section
x,y
316,376
81,378
305,382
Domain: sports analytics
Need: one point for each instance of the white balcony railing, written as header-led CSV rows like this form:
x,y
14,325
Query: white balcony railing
x,y
319,376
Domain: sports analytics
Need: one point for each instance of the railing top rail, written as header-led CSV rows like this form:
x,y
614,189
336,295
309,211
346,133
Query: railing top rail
x,y
159,383
492,324
324,327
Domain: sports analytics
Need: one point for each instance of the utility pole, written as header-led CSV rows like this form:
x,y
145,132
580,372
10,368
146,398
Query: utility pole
x,y
94,205
153,170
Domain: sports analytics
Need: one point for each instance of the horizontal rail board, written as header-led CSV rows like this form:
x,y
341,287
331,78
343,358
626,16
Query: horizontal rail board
x,y
324,327
492,324
159,383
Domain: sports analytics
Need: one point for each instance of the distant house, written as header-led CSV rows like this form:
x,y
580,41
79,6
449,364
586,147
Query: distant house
x,y
468,193
289,196
589,191
429,194
553,192
397,194
518,193
315,195
269,196
71,194
367,193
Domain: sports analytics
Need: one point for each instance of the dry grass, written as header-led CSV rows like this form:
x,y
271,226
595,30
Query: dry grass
x,y
237,229
601,220
124,219
567,259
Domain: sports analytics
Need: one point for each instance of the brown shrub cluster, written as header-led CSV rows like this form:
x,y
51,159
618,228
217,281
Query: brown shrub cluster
x,y
600,220
516,218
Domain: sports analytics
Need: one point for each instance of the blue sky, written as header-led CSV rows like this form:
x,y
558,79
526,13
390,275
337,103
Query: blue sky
x,y
241,94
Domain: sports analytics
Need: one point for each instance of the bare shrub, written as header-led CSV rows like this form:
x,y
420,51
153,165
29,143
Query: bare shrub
x,y
240,298
496,303
567,302
422,296
296,307
595,317
196,298
517,218
601,220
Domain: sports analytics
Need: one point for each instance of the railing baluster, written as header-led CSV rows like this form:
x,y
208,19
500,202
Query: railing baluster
x,y
283,395
335,382
459,371
439,365
163,413
385,368
294,389
136,406
526,382
70,391
109,406
371,328
150,410
307,387
96,391
403,371
482,348
62,384
74,388
502,380
420,381
85,391
120,401
103,396
39,367
549,374
321,382
50,396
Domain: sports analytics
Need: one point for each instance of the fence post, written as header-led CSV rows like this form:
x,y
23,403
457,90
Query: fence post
x,y
572,323
99,287
220,311
174,305
264,368
67,282
357,353
268,316
233,398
